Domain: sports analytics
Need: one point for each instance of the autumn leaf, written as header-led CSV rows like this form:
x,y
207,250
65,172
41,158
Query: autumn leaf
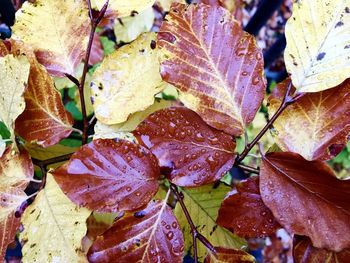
x,y
44,121
16,170
14,72
130,27
318,44
244,213
149,235
307,199
234,6
166,4
97,54
53,227
124,8
116,93
103,131
305,252
226,255
190,152
110,176
203,204
322,116
219,75
57,31
10,200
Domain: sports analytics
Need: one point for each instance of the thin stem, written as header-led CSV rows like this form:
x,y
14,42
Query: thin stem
x,y
94,24
36,181
248,168
50,161
287,100
195,234
32,195
77,131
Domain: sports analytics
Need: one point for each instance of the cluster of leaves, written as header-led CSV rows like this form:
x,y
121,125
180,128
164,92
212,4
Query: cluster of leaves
x,y
147,187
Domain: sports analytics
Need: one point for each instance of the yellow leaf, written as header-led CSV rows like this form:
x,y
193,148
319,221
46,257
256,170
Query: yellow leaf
x,y
53,227
132,26
124,8
318,44
57,31
14,72
112,131
165,4
126,81
203,204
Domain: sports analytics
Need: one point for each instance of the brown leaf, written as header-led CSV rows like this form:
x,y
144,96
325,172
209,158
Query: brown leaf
x,y
110,176
317,125
215,64
234,6
305,252
227,255
189,150
307,199
150,235
44,121
16,170
245,214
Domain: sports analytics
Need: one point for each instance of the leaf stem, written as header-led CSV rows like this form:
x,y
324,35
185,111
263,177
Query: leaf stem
x,y
287,100
248,168
195,234
94,24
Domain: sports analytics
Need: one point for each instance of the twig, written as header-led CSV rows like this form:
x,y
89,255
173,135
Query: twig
x,y
248,168
195,234
36,181
50,161
94,24
287,100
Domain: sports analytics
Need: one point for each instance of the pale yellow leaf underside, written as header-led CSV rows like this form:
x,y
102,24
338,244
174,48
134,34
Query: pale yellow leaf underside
x,y
126,81
132,26
203,204
14,72
56,29
318,44
112,131
125,8
53,227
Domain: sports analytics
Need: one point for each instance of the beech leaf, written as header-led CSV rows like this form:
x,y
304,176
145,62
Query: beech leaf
x,y
323,117
150,235
16,170
190,152
125,8
307,199
129,28
116,92
14,72
217,67
227,255
44,121
244,213
53,227
57,31
305,252
203,204
318,38
110,176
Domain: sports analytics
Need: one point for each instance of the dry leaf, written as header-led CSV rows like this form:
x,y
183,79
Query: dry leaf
x,y
124,8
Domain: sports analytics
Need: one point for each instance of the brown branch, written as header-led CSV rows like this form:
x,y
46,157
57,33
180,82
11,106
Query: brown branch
x,y
94,24
287,100
195,234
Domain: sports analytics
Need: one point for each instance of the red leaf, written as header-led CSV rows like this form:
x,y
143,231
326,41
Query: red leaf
x,y
110,176
305,252
150,235
307,199
245,214
323,116
227,255
44,121
193,152
217,67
